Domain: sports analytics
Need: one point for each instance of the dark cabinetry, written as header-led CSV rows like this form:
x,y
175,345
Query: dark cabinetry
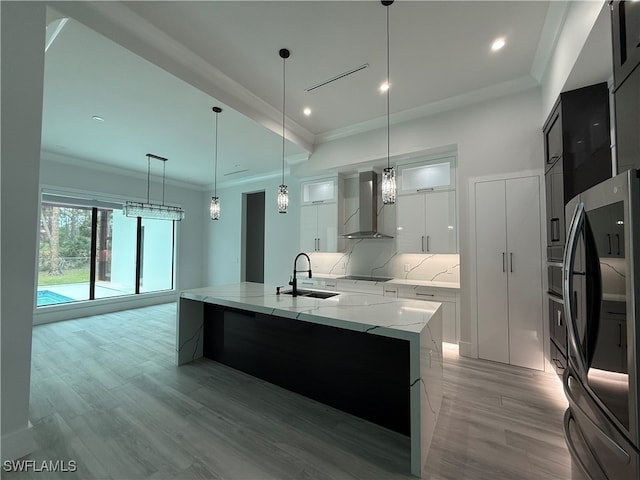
x,y
625,23
611,349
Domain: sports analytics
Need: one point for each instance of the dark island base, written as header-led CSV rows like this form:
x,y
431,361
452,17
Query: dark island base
x,y
363,374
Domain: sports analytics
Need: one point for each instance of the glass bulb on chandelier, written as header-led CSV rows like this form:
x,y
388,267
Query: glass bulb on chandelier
x,y
283,199
214,208
388,186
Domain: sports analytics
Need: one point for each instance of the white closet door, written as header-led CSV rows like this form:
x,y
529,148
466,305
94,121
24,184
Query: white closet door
x,y
525,273
491,281
410,214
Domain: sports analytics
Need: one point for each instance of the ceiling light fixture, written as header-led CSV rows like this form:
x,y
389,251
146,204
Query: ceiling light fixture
x,y
498,43
384,87
307,111
388,174
283,193
214,208
153,210
97,118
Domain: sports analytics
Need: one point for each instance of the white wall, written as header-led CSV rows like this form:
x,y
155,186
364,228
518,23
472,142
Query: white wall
x,y
22,31
223,238
66,175
493,137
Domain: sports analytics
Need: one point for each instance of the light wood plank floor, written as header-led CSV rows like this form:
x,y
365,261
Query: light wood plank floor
x,y
105,393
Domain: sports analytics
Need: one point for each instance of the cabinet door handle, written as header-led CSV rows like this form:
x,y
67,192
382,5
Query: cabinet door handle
x,y
425,294
559,318
511,261
619,334
555,229
318,201
618,242
609,242
423,243
425,189
427,243
504,269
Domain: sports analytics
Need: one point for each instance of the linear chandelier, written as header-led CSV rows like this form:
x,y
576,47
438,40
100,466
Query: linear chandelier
x,y
388,186
153,210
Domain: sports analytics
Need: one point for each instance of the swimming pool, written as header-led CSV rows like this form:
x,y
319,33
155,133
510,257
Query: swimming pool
x,y
47,297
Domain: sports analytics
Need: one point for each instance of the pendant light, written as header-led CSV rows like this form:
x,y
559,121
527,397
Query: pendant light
x,y
153,210
283,193
389,173
214,208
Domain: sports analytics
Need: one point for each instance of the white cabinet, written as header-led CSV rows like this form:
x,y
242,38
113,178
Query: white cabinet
x,y
318,191
426,222
509,271
428,176
319,228
450,307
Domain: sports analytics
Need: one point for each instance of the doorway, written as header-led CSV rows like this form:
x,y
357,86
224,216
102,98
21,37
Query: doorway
x,y
254,237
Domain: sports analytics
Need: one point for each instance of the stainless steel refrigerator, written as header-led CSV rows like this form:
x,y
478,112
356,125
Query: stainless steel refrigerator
x,y
601,278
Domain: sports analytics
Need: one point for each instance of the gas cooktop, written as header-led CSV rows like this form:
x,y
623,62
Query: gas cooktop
x,y
368,278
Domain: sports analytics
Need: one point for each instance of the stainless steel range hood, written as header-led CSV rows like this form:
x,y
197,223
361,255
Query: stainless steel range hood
x,y
368,204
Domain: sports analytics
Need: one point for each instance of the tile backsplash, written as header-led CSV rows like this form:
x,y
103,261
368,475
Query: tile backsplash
x,y
377,257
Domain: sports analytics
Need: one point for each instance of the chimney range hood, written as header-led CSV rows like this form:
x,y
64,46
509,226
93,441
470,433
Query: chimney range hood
x,y
368,204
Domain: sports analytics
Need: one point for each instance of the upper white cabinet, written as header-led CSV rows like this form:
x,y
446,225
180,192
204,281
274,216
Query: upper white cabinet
x,y
319,191
509,271
426,208
319,216
426,223
428,176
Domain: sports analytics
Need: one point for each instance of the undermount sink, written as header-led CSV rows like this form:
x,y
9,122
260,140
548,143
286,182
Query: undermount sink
x,y
312,294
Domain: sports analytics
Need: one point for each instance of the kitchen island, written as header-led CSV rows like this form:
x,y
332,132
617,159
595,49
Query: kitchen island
x,y
376,357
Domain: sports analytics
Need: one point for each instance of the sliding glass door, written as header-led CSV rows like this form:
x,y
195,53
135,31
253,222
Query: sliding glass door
x,y
90,250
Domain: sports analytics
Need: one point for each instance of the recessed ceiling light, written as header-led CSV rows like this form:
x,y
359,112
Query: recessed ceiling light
x,y
306,111
498,43
384,87
98,118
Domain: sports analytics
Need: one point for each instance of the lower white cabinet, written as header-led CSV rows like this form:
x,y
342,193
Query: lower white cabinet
x,y
450,307
509,271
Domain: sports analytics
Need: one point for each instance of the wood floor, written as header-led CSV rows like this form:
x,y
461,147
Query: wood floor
x,y
106,394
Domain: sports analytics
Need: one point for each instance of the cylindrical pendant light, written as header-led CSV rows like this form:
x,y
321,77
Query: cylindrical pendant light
x,y
388,174
283,193
214,208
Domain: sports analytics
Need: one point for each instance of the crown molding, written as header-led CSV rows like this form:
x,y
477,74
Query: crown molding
x,y
469,98
49,156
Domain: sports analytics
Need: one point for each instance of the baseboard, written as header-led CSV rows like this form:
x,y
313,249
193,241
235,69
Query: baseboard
x,y
18,444
467,349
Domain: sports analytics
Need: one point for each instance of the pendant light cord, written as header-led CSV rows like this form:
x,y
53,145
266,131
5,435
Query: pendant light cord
x,y
148,177
284,90
388,90
164,169
215,163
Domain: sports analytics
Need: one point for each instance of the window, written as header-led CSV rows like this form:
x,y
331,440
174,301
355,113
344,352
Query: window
x,y
89,250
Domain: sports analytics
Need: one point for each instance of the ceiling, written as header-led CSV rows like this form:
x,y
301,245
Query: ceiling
x,y
439,51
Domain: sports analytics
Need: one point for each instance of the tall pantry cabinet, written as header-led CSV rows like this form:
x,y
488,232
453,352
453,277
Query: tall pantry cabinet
x,y
509,271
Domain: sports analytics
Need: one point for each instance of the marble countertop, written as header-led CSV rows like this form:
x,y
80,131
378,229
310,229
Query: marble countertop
x,y
392,317
396,281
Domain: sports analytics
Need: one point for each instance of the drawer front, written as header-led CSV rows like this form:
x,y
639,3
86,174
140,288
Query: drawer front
x,y
426,293
557,325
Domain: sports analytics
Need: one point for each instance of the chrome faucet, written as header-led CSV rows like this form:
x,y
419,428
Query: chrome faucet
x,y
294,281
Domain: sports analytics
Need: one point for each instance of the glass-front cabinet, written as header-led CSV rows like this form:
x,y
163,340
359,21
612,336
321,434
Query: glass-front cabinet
x,y
426,207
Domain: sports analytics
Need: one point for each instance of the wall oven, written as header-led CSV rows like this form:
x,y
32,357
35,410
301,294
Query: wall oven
x,y
601,306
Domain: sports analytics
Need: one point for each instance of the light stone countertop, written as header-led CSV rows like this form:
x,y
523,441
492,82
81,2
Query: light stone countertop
x,y
395,281
392,317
